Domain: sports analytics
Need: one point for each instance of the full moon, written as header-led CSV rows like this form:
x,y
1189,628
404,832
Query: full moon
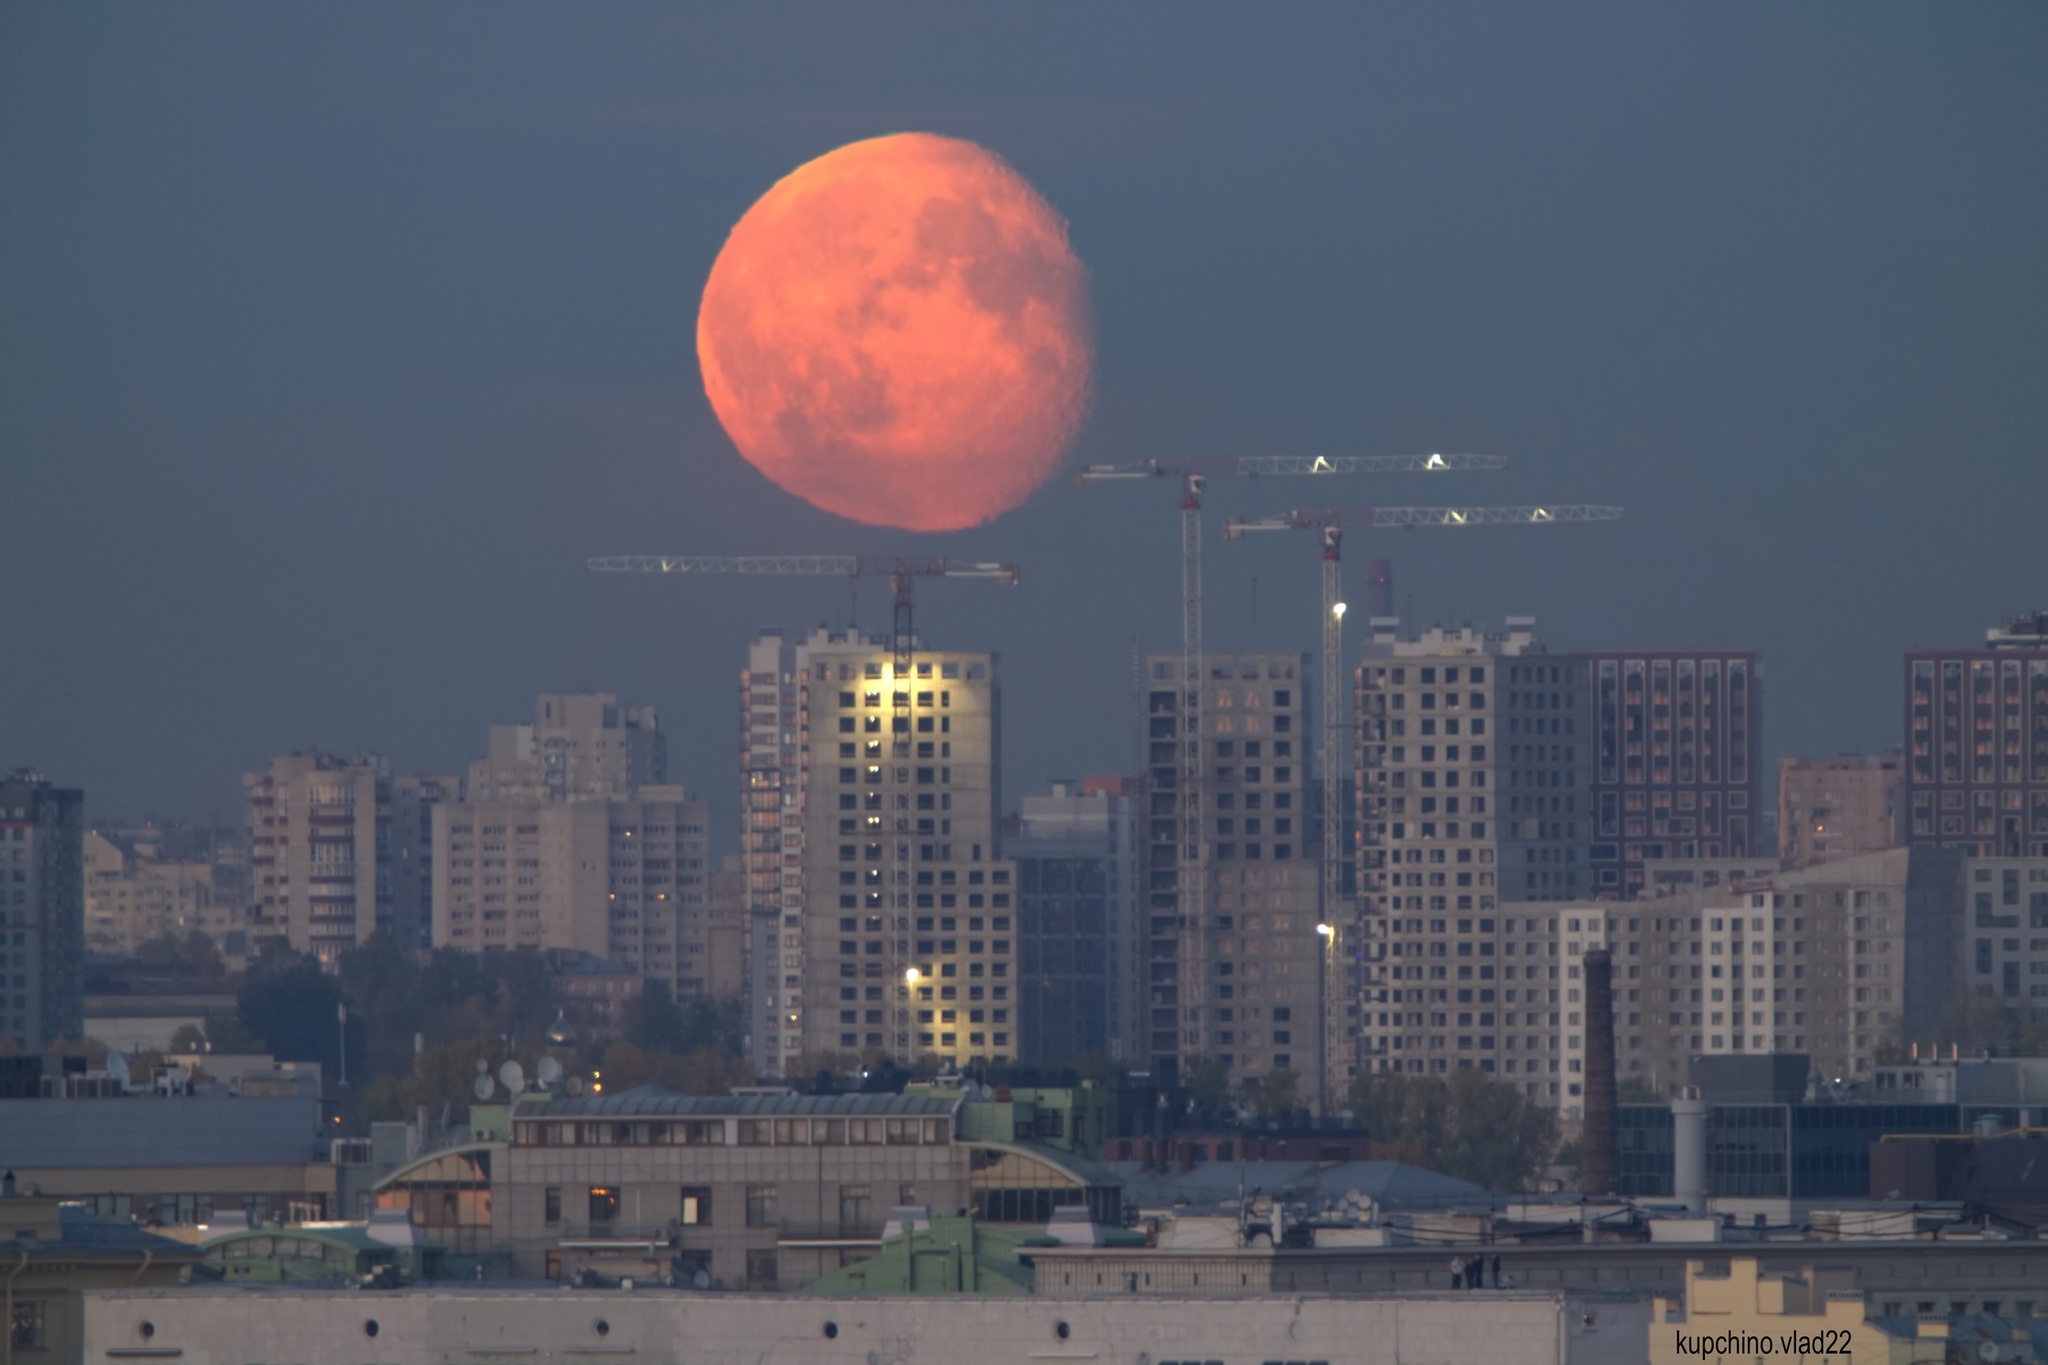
x,y
898,333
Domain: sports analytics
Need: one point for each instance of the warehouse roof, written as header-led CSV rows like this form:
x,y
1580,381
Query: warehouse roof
x,y
151,1131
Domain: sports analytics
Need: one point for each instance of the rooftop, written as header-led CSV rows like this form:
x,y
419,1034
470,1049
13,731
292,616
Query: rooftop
x,y
650,1101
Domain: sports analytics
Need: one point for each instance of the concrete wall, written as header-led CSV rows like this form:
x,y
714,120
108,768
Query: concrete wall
x,y
307,1327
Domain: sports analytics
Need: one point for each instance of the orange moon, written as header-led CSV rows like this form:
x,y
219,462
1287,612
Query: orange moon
x,y
898,333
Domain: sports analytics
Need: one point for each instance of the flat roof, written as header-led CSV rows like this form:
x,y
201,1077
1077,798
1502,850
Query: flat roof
x,y
649,1101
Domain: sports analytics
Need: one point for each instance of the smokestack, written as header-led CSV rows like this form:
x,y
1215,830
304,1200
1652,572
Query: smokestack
x,y
1689,1149
1379,591
1599,1136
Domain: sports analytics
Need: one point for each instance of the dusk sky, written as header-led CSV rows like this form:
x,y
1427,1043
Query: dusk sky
x,y
333,339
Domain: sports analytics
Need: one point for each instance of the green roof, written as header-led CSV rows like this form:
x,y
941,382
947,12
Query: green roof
x,y
952,1256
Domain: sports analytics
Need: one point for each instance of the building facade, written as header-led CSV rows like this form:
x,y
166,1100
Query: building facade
x,y
1474,768
1678,770
1078,872
883,919
337,852
1814,961
1977,743
42,911
1235,971
133,893
620,878
1840,807
580,744
757,1191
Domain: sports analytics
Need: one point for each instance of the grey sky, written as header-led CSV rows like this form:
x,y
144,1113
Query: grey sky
x,y
333,338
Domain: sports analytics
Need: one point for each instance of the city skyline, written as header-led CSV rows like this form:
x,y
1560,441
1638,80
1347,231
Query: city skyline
x,y
1788,316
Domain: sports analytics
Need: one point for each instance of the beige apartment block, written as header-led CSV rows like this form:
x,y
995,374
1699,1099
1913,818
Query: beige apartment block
x,y
1474,772
580,744
623,878
1237,971
882,920
133,895
327,866
1811,962
1832,808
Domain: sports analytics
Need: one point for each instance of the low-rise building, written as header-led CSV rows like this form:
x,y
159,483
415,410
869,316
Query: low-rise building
x,y
56,1253
174,1160
754,1191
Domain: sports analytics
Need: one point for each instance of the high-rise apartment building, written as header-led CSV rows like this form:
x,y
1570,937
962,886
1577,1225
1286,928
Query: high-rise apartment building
x,y
135,890
1474,778
1977,743
620,877
338,851
883,917
1831,808
1078,855
2003,954
571,839
42,911
1677,743
580,744
1244,980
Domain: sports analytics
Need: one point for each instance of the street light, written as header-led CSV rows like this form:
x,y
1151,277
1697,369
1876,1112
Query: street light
x,y
911,976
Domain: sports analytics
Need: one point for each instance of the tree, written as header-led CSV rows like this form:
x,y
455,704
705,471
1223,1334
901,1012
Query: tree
x,y
1469,1126
294,1008
654,1020
1273,1095
1207,1080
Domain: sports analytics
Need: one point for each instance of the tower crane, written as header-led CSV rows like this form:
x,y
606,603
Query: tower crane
x,y
902,572
1254,465
1192,882
1332,523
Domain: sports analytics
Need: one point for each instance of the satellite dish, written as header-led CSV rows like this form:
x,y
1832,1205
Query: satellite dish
x,y
485,1087
549,1071
482,1066
1987,1350
575,1085
513,1075
702,1279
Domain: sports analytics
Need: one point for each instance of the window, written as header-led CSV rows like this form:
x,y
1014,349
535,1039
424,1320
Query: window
x,y
856,1207
26,1332
696,1206
604,1203
554,1204
761,1211
761,1273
